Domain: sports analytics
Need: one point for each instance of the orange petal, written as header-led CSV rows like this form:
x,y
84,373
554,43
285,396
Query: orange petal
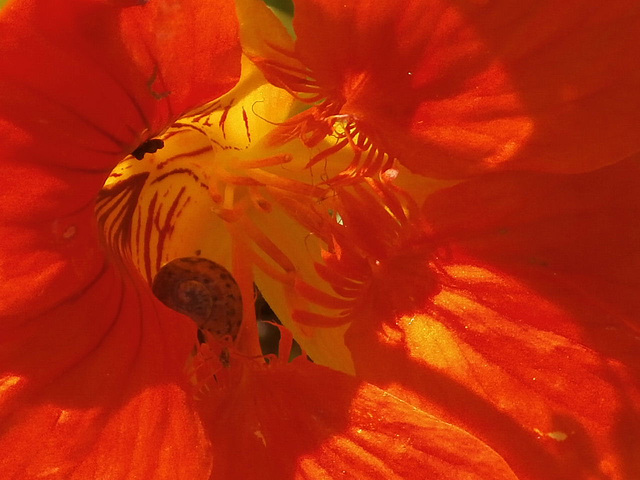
x,y
92,384
457,88
572,239
305,421
90,81
532,343
76,96
550,405
94,388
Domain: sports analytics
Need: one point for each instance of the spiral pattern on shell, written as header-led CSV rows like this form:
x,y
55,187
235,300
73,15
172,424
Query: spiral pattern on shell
x,y
204,291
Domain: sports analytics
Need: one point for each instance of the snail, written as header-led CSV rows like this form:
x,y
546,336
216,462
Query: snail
x,y
204,291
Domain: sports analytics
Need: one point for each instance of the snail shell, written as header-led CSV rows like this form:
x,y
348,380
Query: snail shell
x,y
204,291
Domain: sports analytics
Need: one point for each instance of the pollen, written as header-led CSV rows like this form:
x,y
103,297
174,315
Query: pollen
x,y
64,417
342,125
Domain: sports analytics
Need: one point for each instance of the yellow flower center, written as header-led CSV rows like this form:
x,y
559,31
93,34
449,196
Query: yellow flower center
x,y
228,184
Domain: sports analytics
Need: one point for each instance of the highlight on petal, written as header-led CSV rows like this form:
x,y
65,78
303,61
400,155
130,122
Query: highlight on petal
x,y
531,341
574,240
458,88
550,406
355,430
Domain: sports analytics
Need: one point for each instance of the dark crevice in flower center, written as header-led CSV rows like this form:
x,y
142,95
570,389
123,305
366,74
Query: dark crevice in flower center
x,y
150,146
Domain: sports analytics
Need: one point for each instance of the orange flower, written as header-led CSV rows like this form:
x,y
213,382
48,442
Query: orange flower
x,y
97,378
489,325
91,368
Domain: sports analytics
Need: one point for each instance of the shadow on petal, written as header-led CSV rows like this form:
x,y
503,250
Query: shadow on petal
x,y
305,421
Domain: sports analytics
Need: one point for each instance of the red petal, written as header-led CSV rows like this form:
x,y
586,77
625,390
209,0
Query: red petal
x,y
305,421
456,88
533,342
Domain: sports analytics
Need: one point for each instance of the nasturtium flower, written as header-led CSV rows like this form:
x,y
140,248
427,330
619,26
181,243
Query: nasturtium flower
x,y
482,327
99,379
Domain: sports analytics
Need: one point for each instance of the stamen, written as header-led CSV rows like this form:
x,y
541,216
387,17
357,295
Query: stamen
x,y
228,202
264,162
272,181
326,118
302,71
357,265
250,230
321,298
260,202
269,269
318,320
326,153
391,201
339,282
